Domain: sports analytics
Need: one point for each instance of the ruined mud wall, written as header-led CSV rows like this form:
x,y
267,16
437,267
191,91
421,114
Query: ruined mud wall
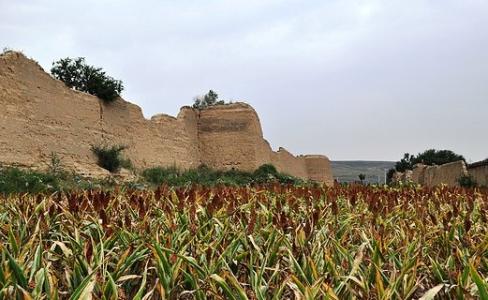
x,y
316,164
403,176
480,174
448,174
41,116
231,136
418,174
288,163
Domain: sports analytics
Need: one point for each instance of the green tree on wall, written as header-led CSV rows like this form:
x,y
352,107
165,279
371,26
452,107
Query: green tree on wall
x,y
428,157
76,74
209,99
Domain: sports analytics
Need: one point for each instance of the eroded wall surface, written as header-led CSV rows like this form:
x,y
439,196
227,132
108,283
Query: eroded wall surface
x,y
418,174
448,174
288,163
41,116
229,137
315,165
480,174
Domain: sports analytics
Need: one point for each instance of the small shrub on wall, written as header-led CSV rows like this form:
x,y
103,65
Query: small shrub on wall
x,y
110,157
209,99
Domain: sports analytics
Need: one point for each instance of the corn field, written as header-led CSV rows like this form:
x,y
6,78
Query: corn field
x,y
261,242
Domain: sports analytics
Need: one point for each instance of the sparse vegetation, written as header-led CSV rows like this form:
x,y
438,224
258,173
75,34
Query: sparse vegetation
x,y
467,182
76,74
206,176
14,180
6,50
54,167
389,176
110,157
19,181
361,177
209,99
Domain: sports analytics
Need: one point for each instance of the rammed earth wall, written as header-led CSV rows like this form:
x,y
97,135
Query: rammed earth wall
x,y
448,174
40,116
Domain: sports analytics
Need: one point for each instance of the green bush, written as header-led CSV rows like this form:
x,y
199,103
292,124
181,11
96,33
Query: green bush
x,y
266,173
13,180
210,99
467,182
201,175
389,176
204,175
76,74
157,175
110,157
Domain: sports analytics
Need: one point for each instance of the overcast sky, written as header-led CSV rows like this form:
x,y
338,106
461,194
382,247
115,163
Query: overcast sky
x,y
349,79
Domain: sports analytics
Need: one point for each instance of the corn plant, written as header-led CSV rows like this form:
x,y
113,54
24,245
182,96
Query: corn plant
x,y
258,242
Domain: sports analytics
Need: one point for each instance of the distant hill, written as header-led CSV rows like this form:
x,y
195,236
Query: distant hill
x,y
348,171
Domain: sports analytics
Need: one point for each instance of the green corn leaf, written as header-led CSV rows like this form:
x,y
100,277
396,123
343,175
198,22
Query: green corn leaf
x,y
224,286
297,267
13,242
279,293
85,289
237,286
40,277
36,264
17,271
111,288
139,295
480,283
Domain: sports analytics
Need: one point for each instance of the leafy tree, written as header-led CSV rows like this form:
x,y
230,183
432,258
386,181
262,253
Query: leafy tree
x,y
76,74
210,99
429,157
389,176
406,163
362,177
437,157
